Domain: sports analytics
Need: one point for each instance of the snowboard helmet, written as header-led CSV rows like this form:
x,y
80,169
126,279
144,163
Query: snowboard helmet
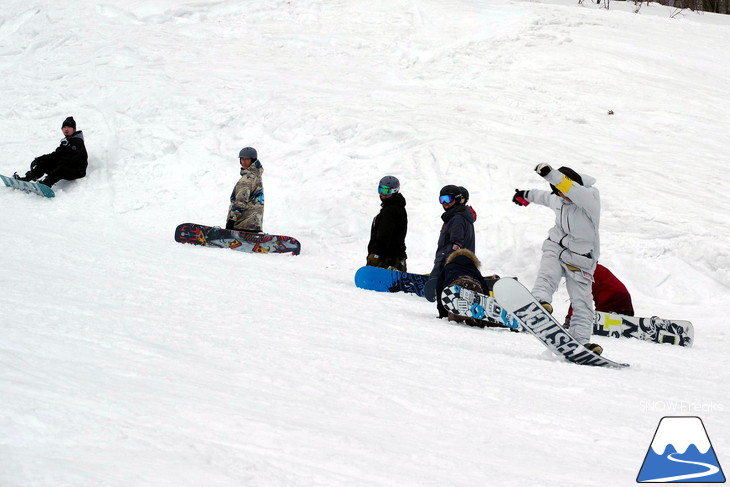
x,y
570,174
465,193
388,185
450,193
248,153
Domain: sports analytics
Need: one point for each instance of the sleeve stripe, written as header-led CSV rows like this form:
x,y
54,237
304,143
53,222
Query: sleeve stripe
x,y
565,185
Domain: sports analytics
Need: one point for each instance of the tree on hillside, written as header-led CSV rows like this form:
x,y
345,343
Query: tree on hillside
x,y
714,6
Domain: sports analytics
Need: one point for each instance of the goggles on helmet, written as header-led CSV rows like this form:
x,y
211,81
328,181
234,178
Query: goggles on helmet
x,y
385,190
446,198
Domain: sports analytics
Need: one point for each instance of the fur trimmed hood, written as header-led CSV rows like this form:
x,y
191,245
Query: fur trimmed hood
x,y
465,253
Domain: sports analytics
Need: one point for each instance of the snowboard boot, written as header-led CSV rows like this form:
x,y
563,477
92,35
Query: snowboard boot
x,y
594,347
28,176
547,306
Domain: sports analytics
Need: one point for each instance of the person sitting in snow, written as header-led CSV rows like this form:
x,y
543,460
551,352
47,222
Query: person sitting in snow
x,y
387,246
457,232
573,244
68,161
609,295
462,269
246,212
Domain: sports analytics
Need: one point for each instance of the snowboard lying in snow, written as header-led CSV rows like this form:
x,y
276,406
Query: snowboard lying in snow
x,y
259,243
386,280
28,187
476,305
516,300
653,329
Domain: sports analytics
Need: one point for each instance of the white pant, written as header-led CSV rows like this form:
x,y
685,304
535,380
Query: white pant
x,y
580,290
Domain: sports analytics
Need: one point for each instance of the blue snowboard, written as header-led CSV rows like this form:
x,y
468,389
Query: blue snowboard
x,y
385,280
429,290
28,187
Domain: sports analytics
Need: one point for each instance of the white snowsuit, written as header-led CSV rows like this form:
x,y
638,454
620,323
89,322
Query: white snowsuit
x,y
572,247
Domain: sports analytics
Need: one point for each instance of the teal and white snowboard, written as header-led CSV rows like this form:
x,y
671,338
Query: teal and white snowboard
x,y
28,187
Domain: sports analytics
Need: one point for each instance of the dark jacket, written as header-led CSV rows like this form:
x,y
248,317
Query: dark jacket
x,y
460,264
457,230
70,157
389,228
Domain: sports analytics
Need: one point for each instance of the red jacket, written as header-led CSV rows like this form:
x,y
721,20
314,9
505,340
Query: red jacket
x,y
609,294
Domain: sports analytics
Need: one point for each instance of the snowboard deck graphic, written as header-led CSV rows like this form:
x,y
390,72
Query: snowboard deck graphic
x,y
28,187
518,300
257,243
386,280
471,304
653,329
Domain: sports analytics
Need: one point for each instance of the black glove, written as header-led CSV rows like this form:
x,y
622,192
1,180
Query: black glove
x,y
229,225
520,197
543,169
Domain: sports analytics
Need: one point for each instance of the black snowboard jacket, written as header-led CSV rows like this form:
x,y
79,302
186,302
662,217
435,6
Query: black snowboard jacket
x,y
70,156
458,229
389,228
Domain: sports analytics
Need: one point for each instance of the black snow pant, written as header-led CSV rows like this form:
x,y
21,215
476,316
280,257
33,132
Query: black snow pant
x,y
54,172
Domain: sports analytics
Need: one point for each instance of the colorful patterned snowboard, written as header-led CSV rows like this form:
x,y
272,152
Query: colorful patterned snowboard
x,y
518,300
386,280
258,243
28,187
475,305
654,329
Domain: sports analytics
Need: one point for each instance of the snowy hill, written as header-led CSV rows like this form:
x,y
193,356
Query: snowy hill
x,y
129,360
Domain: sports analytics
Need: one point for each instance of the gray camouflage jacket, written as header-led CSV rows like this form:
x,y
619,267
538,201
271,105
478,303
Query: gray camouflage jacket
x,y
247,200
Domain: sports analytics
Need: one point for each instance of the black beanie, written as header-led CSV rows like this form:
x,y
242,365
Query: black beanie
x,y
69,122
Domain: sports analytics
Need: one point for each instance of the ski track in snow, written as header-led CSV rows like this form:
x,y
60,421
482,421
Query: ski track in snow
x,y
129,360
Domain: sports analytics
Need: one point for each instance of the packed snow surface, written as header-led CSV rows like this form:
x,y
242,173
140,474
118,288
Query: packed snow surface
x,y
128,360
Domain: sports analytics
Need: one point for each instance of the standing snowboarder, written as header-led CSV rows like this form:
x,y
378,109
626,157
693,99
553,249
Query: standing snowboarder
x,y
457,231
68,161
387,246
246,212
573,244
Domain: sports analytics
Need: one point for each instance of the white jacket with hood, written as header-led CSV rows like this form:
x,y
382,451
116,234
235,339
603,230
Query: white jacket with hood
x,y
575,235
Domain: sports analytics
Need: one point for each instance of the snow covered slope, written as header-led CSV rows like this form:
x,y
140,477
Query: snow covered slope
x,y
129,360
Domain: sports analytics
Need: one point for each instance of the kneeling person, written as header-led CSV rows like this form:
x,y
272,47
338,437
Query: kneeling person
x,y
387,246
246,212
